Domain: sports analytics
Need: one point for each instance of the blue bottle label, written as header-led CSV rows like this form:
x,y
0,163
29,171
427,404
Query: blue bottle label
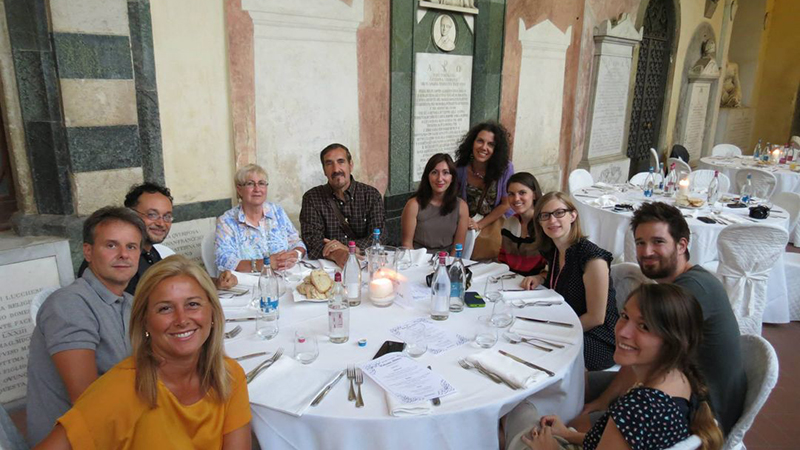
x,y
455,289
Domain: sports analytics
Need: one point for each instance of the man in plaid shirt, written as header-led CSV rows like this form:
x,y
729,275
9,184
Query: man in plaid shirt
x,y
361,208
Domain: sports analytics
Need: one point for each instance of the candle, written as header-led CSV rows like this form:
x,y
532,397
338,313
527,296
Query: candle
x,y
776,156
683,188
381,291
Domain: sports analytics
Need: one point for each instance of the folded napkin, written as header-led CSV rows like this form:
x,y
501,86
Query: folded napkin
x,y
482,271
400,409
553,333
604,201
289,386
601,185
733,218
237,301
529,297
246,279
419,257
516,374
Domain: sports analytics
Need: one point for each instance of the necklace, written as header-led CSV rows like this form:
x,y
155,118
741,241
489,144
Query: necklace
x,y
471,169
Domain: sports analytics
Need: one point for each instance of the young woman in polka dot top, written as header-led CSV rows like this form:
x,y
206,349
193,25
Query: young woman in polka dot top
x,y
657,335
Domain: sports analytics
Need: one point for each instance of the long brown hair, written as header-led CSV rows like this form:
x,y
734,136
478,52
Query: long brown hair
x,y
575,234
672,313
424,192
214,376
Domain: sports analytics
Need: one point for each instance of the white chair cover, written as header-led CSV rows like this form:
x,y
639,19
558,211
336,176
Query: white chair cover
x,y
626,276
207,251
629,250
38,299
726,150
790,201
682,167
654,154
747,253
791,263
163,250
761,367
693,442
469,243
763,182
578,179
700,179
640,177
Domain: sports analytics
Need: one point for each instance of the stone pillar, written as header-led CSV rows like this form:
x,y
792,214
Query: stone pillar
x,y
306,84
541,91
604,154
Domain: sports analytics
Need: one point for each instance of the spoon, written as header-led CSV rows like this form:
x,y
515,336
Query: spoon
x,y
521,303
516,339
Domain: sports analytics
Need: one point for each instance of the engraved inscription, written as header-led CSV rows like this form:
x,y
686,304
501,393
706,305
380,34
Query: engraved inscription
x,y
610,101
696,119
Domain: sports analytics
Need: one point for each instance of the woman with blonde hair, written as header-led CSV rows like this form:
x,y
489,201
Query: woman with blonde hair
x,y
177,390
580,271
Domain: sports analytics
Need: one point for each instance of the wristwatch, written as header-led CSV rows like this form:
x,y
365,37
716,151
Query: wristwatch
x,y
299,254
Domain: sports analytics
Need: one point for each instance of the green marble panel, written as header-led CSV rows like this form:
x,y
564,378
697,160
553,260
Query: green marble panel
x,y
200,210
103,148
93,56
487,62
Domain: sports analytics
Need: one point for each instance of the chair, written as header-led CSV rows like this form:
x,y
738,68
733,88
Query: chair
x,y
681,167
163,250
469,243
639,178
207,252
693,442
654,154
763,182
790,201
747,253
579,179
627,276
761,367
10,437
37,301
726,150
700,179
679,151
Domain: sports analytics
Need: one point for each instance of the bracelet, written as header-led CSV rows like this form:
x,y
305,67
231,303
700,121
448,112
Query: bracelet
x,y
299,254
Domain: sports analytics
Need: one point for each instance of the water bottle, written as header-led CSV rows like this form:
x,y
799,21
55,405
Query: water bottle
x,y
671,182
268,294
713,190
376,239
458,277
747,191
440,290
373,252
338,313
757,151
649,184
352,276
661,183
766,152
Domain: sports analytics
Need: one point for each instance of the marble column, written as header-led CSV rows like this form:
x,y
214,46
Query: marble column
x,y
604,154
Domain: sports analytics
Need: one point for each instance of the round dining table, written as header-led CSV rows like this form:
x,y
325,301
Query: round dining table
x,y
466,419
609,228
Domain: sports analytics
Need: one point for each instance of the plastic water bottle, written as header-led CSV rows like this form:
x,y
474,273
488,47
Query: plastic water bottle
x,y
649,184
338,313
671,181
713,190
747,191
375,249
269,292
376,239
757,151
458,277
352,276
662,183
766,152
440,290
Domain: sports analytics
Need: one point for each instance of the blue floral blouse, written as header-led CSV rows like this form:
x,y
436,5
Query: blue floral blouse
x,y
237,240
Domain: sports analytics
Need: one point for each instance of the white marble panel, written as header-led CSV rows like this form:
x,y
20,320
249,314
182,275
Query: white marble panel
x,y
306,83
539,102
609,105
115,184
90,16
696,108
185,238
734,126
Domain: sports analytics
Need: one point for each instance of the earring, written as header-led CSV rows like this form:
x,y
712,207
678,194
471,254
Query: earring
x,y
212,323
147,334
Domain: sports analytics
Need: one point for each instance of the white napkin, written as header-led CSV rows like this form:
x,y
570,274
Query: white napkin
x,y
514,373
419,257
481,271
551,332
246,279
601,185
289,386
733,218
529,297
400,409
604,201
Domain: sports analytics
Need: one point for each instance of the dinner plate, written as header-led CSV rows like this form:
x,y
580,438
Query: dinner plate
x,y
298,297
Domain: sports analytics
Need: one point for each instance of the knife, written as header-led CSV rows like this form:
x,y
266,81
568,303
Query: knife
x,y
549,322
327,389
240,319
529,364
251,355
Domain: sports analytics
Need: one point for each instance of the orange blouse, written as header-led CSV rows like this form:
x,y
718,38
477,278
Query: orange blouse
x,y
109,415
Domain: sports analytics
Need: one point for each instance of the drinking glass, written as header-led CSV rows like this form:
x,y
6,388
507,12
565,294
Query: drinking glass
x,y
306,348
493,290
502,313
485,332
402,258
266,324
416,341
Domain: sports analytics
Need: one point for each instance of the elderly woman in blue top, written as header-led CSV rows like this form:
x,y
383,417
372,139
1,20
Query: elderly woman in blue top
x,y
256,228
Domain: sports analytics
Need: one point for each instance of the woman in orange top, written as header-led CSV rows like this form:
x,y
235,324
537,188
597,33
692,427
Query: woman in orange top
x,y
177,390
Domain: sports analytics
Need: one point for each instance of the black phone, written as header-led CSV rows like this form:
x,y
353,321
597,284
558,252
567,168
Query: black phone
x,y
389,347
473,300
706,219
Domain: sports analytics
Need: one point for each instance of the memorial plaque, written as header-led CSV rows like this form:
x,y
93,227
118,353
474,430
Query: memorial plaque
x,y
442,90
695,127
610,103
19,283
185,238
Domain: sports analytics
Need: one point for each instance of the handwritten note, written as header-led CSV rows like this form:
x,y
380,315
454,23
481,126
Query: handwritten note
x,y
439,339
406,379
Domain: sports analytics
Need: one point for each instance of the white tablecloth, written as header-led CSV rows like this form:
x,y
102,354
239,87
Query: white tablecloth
x,y
465,420
611,230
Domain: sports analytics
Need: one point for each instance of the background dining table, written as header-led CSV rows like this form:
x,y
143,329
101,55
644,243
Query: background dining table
x,y
467,419
610,229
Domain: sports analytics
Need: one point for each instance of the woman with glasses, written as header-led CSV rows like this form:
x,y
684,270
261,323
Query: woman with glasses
x,y
519,248
435,218
580,272
255,228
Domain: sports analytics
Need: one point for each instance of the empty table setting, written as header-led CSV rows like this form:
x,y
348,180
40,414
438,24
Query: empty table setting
x,y
788,179
445,390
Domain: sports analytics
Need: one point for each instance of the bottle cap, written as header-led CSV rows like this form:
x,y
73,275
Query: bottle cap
x,y
459,247
376,231
362,342
338,277
351,244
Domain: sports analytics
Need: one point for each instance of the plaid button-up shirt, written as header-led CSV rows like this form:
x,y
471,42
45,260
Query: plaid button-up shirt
x,y
362,207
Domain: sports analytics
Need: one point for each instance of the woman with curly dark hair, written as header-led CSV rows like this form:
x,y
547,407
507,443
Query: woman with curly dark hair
x,y
484,167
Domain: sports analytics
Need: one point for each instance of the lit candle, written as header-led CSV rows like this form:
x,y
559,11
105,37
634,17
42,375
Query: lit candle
x,y
381,291
683,188
776,156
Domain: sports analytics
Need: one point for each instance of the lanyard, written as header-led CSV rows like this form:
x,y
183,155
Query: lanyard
x,y
553,272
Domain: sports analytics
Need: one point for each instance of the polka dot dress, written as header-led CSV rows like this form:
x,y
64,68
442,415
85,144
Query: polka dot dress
x,y
598,343
647,419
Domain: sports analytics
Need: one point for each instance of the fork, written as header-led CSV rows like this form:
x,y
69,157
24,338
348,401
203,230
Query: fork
x,y
264,365
306,264
234,332
359,381
465,364
351,375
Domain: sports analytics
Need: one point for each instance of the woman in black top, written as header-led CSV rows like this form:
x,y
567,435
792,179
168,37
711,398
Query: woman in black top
x,y
580,272
658,334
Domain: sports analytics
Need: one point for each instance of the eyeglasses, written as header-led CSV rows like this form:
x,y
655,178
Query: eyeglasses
x,y
154,216
559,213
251,184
